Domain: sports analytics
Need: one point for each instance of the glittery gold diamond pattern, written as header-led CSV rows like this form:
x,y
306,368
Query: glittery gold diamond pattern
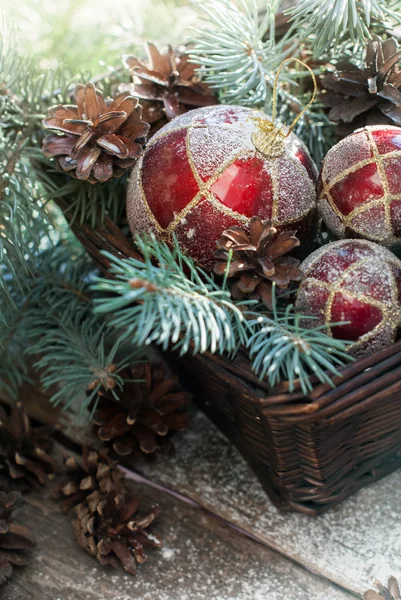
x,y
364,198
373,281
215,151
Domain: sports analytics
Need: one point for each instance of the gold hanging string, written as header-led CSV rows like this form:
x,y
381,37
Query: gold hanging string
x,y
269,139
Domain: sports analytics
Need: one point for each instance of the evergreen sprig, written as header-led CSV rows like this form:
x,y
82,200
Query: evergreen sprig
x,y
330,22
76,356
13,366
234,54
283,349
77,350
170,302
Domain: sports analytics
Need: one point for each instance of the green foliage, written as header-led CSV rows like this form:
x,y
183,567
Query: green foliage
x,y
234,55
160,304
330,22
13,367
283,349
77,350
75,355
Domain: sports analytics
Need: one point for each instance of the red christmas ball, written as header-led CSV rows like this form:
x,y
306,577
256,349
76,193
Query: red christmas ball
x,y
355,281
360,186
203,173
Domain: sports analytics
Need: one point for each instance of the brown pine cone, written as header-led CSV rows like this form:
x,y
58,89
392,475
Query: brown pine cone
x,y
168,81
257,260
366,96
391,592
96,472
106,523
148,409
24,450
95,139
14,538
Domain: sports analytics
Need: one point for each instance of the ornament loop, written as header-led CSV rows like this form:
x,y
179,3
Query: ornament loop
x,y
269,139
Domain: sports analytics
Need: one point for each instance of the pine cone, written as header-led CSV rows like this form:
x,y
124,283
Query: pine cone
x,y
148,409
366,96
97,472
106,524
168,81
392,592
24,450
257,260
14,538
96,139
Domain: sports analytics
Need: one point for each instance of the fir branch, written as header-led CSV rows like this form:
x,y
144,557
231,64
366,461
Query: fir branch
x,y
234,55
13,367
74,355
78,351
164,305
329,22
282,349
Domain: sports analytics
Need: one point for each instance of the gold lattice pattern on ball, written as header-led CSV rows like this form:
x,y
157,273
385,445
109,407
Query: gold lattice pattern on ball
x,y
204,193
391,313
385,200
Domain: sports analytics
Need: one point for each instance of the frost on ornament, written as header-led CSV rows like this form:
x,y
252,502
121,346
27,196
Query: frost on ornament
x,y
353,281
360,186
202,174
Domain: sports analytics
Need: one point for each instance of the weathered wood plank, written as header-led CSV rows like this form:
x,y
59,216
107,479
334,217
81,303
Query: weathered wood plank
x,y
351,544
201,559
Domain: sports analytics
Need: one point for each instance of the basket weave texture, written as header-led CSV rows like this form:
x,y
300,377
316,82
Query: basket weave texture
x,y
309,452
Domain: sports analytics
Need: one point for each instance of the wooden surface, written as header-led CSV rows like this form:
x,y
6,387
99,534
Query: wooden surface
x,y
250,551
202,559
350,545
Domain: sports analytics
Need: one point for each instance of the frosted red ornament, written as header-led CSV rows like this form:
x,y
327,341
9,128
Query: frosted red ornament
x,y
360,186
355,281
203,173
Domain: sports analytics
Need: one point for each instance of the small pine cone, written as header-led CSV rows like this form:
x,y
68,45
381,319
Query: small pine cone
x,y
106,523
370,95
96,473
95,139
257,260
14,538
149,408
24,450
391,592
168,81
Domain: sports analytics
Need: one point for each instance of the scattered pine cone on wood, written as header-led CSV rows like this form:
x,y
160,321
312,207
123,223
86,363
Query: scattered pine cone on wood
x,y
107,524
95,139
167,85
391,592
24,449
149,407
256,260
14,538
370,95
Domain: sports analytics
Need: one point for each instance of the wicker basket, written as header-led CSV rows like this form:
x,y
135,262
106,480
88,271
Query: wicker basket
x,y
309,452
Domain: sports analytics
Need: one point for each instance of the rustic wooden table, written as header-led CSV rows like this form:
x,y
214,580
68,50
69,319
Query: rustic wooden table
x,y
223,538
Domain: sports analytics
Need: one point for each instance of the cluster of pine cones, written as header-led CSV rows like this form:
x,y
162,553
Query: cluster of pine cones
x,y
109,522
